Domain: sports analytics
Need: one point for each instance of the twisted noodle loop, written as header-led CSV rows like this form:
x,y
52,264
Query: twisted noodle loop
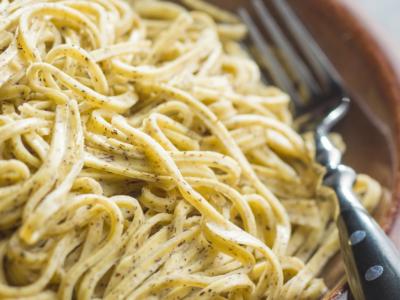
x,y
141,157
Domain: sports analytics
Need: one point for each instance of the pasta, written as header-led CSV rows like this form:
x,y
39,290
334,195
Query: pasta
x,y
142,157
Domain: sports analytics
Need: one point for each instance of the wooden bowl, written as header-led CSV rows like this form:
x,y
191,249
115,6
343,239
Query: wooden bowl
x,y
371,129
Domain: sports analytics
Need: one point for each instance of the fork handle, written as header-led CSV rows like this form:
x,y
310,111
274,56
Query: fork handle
x,y
372,261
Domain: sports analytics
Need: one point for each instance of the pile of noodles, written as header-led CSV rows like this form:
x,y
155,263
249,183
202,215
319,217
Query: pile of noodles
x,y
141,157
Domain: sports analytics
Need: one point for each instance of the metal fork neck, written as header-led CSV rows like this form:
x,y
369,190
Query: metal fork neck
x,y
342,179
327,154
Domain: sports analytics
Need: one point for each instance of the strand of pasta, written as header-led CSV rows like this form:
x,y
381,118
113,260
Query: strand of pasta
x,y
142,157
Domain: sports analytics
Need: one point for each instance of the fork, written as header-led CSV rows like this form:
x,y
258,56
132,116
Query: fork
x,y
295,63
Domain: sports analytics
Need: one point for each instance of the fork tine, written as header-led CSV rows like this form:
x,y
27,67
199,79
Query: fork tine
x,y
317,60
297,68
275,69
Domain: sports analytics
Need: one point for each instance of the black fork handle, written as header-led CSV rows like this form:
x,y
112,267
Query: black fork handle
x,y
371,259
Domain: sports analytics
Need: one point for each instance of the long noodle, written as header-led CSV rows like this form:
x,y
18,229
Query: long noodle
x,y
142,157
